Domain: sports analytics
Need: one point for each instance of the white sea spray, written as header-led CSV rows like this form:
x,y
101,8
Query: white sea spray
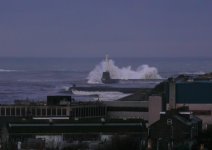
x,y
124,73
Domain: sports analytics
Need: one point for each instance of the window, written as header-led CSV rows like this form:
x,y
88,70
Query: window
x,y
71,113
23,111
76,112
18,112
38,111
202,112
12,111
58,111
33,111
7,111
43,112
53,111
64,112
2,111
48,111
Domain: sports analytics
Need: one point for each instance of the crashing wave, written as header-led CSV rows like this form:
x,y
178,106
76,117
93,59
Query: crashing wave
x,y
124,73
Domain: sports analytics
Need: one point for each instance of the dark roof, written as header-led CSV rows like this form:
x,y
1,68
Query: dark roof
x,y
182,118
78,126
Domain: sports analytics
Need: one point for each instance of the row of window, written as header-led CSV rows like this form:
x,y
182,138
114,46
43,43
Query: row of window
x,y
88,111
201,112
32,111
53,111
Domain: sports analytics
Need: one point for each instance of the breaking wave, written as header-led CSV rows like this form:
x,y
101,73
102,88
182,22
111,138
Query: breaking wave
x,y
7,70
124,73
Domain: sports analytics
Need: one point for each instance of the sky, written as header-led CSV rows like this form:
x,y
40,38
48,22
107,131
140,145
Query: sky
x,y
93,28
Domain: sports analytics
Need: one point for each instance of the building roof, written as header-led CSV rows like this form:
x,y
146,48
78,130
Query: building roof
x,y
78,126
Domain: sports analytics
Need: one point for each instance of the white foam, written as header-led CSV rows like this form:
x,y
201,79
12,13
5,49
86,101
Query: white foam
x,y
7,70
193,73
65,88
102,96
124,73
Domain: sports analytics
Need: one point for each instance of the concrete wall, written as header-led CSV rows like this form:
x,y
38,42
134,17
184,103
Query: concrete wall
x,y
155,107
128,114
127,103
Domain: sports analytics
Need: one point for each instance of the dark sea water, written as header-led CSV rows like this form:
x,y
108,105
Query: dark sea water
x,y
35,78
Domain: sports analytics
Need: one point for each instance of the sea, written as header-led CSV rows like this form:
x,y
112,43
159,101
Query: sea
x,y
36,78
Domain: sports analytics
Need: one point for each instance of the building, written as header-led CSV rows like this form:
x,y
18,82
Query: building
x,y
64,119
193,93
175,130
142,105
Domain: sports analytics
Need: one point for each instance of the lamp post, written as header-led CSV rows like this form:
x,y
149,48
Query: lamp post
x,y
158,143
172,137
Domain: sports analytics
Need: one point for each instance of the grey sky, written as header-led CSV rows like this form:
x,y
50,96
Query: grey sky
x,y
141,28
